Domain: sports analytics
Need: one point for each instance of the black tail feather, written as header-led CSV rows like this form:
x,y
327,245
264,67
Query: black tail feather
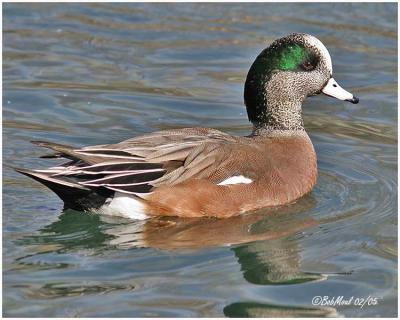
x,y
74,195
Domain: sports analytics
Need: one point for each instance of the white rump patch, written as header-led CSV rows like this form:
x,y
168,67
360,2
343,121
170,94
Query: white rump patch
x,y
314,42
235,180
123,205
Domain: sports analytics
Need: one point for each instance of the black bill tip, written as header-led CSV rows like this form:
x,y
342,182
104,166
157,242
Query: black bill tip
x,y
355,100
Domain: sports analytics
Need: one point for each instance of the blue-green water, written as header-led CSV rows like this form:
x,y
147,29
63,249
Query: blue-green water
x,y
86,74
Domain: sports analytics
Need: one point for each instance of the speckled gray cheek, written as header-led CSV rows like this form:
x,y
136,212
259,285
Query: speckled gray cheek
x,y
284,94
314,82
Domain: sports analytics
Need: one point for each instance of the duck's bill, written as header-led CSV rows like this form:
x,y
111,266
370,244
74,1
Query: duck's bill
x,y
332,89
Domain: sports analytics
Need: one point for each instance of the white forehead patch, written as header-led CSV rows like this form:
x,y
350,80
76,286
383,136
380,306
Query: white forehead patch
x,y
314,42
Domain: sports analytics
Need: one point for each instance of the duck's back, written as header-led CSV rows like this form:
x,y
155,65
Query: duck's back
x,y
245,175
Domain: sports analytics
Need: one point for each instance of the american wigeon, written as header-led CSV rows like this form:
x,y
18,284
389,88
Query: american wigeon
x,y
204,172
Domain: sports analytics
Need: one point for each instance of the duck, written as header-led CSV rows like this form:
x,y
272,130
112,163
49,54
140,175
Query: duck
x,y
204,172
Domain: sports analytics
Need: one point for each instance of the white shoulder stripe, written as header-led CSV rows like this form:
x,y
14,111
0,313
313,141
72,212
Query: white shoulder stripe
x,y
235,180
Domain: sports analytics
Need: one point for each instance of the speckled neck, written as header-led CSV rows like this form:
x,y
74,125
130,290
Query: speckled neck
x,y
275,101
265,131
279,117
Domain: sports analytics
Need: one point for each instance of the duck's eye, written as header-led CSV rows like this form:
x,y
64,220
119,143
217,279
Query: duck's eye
x,y
307,65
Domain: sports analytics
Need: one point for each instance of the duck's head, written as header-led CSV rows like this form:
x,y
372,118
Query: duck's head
x,y
283,75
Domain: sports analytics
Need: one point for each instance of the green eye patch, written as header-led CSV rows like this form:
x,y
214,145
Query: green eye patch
x,y
287,57
290,58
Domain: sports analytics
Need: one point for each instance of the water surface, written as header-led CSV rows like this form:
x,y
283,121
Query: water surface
x,y
85,74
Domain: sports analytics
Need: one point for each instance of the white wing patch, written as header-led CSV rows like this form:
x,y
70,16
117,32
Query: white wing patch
x,y
235,180
123,205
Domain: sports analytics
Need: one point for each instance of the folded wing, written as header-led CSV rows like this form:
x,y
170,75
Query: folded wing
x,y
135,166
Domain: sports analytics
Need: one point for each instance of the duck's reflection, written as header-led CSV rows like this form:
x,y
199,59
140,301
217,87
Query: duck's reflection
x,y
273,262
168,233
264,310
261,241
265,242
178,233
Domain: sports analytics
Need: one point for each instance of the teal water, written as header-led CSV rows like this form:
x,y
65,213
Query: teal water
x,y
86,74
